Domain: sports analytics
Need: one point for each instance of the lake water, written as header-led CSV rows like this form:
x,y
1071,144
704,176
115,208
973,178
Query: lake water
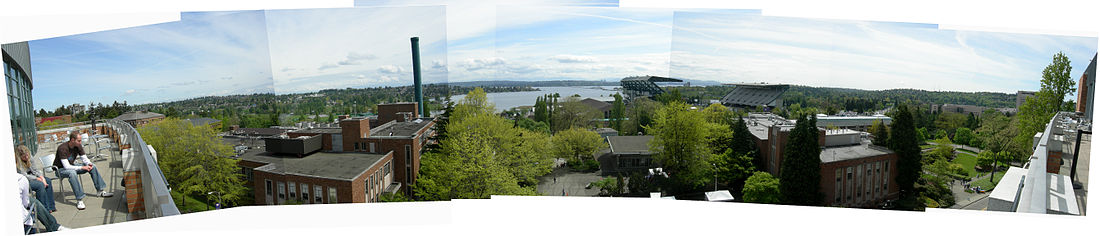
x,y
504,101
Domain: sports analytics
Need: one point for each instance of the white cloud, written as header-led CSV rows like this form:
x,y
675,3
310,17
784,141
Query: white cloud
x,y
390,69
475,64
574,59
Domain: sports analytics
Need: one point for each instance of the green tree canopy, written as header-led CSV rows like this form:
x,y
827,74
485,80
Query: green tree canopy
x,y
577,144
677,132
194,160
761,187
618,113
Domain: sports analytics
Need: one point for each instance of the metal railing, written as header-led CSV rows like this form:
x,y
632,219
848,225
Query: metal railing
x,y
154,186
1034,191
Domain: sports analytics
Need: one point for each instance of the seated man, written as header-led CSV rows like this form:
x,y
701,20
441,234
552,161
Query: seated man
x,y
64,159
29,204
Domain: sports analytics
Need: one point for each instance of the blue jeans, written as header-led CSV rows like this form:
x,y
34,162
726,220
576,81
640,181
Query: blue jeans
x,y
43,193
45,217
72,175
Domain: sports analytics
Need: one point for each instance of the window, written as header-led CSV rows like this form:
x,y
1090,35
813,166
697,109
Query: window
x,y
408,155
357,146
293,189
305,194
317,194
408,176
867,187
859,183
368,192
332,195
282,190
848,186
838,188
267,187
372,147
886,176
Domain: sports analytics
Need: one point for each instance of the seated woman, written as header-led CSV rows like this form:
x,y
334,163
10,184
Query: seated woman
x,y
32,169
29,204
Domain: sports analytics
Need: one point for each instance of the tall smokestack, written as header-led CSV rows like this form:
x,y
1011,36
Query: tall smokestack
x,y
416,76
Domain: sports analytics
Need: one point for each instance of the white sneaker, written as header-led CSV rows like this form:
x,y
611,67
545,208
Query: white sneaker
x,y
60,228
104,193
80,205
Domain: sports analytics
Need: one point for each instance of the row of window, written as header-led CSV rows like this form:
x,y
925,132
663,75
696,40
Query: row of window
x,y
20,107
362,146
376,181
283,197
634,162
861,183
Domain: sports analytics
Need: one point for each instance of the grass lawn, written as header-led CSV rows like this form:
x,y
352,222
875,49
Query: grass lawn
x,y
967,161
984,181
927,146
193,205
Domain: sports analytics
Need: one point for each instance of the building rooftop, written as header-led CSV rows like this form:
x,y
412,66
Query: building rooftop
x,y
344,166
318,130
407,129
651,78
258,131
844,153
203,121
629,144
597,104
138,115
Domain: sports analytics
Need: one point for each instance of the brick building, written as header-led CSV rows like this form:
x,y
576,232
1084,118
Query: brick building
x,y
405,135
854,173
293,171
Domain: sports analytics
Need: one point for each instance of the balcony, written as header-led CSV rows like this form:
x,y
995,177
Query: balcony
x,y
1047,183
113,165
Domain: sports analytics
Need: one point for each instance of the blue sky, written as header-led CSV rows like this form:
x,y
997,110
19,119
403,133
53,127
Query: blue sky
x,y
575,43
355,47
865,55
206,54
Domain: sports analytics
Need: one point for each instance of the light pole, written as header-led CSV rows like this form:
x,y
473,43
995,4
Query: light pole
x,y
715,176
217,207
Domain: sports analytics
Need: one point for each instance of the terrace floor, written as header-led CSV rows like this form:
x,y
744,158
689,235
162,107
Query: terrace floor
x,y
1082,168
98,210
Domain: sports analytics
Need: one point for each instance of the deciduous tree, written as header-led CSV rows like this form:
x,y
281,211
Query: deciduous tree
x,y
761,187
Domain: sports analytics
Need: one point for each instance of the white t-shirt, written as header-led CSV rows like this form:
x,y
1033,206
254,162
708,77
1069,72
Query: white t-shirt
x,y
24,197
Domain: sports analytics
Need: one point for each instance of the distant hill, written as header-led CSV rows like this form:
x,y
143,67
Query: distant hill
x,y
560,83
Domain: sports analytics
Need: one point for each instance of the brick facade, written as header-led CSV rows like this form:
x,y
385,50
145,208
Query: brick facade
x,y
869,174
135,200
394,111
347,191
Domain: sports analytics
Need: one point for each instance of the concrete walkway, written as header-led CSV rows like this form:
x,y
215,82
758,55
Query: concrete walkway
x,y
98,210
572,183
1082,168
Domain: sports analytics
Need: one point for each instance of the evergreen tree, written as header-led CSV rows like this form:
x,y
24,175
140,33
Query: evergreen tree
x,y
879,133
541,112
800,174
618,111
903,141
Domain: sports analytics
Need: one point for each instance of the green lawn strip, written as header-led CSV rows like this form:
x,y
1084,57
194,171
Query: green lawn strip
x,y
984,181
968,161
193,205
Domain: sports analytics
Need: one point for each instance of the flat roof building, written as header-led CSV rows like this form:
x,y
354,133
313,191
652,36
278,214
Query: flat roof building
x,y
316,178
854,173
405,137
860,123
